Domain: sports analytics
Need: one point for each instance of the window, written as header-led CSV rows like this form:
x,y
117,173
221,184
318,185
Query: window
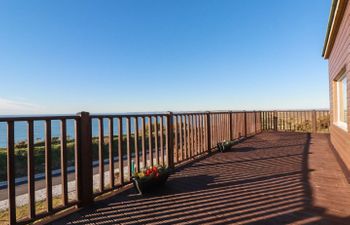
x,y
342,105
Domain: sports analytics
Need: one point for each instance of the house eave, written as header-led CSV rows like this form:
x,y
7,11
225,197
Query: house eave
x,y
335,18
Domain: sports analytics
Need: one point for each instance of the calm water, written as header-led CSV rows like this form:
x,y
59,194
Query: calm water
x,y
39,129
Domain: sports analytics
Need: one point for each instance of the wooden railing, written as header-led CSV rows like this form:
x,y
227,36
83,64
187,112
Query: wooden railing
x,y
107,148
315,121
13,157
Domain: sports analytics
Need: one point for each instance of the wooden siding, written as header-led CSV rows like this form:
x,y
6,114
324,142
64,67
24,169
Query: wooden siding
x,y
339,63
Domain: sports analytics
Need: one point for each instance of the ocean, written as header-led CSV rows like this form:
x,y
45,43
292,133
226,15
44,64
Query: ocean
x,y
39,129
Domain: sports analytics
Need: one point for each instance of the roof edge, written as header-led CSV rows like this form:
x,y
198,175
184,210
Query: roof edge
x,y
334,21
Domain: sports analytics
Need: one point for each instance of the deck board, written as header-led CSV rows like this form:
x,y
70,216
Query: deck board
x,y
271,178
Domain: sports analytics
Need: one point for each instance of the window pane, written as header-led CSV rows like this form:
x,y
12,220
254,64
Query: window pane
x,y
342,101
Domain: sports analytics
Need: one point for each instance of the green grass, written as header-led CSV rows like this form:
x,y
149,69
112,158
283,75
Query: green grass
x,y
39,154
22,211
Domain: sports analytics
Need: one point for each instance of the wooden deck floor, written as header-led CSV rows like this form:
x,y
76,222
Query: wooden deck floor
x,y
272,178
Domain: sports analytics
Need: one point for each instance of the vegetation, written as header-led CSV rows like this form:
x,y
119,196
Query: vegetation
x,y
293,124
21,153
22,211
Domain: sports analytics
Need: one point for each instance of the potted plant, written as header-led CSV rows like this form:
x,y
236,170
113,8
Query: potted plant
x,y
150,178
225,145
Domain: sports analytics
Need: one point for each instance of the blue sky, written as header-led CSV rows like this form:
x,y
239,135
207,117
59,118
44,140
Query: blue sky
x,y
116,56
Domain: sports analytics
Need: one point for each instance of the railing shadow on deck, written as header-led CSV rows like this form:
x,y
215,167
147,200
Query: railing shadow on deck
x,y
246,185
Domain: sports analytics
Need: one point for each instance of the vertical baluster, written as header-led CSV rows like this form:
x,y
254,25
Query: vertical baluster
x,y
234,125
169,140
200,132
120,151
101,154
285,121
156,139
263,121
161,128
136,144
280,117
256,122
185,136
226,127
272,120
195,148
204,133
207,132
229,117
282,120
222,126
237,124
77,159
293,121
192,136
299,121
48,165
31,170
197,134
215,138
190,133
218,130
64,162
176,149
214,130
11,172
143,139
188,136
128,147
111,155
302,128
150,144
246,126
219,126
181,137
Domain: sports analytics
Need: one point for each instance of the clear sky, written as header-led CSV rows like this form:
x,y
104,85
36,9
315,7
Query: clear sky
x,y
147,55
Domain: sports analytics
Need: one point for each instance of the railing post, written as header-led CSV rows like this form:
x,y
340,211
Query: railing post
x,y
245,124
208,132
230,121
169,140
261,115
314,122
84,161
255,123
275,120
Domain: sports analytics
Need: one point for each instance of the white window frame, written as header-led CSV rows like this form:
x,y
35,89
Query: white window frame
x,y
339,82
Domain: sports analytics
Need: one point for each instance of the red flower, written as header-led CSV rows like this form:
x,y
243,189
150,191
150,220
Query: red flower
x,y
155,169
148,172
